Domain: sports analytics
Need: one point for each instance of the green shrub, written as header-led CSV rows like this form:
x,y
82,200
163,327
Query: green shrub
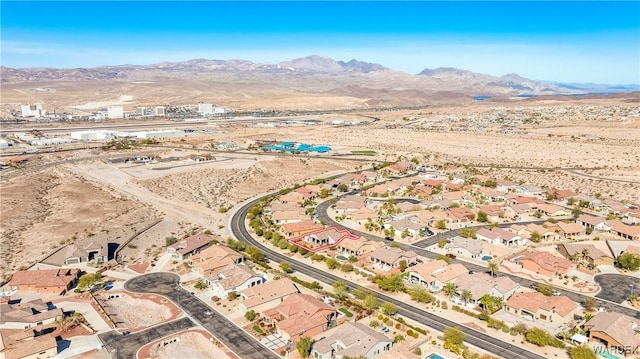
x,y
346,312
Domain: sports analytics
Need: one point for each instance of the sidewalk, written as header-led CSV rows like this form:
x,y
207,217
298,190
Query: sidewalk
x,y
118,275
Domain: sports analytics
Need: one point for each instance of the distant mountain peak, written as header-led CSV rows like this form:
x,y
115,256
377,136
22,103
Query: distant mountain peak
x,y
317,63
444,71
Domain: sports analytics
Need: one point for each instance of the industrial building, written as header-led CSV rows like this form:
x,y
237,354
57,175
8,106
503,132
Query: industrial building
x,y
93,135
32,110
205,108
157,134
115,112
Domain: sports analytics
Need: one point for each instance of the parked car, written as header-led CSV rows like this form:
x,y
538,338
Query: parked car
x,y
387,238
452,256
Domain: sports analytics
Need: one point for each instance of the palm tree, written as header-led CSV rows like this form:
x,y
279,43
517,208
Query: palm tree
x,y
575,257
585,253
493,267
450,289
466,296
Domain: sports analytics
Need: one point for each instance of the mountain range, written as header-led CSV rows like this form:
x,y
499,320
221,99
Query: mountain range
x,y
315,76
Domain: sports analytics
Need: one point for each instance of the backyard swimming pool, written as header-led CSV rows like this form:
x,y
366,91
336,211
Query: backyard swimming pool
x,y
487,258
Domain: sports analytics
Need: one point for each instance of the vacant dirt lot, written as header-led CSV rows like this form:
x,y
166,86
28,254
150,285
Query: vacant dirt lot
x,y
42,210
191,344
135,312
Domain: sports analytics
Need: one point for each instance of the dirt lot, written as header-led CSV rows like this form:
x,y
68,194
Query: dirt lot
x,y
61,205
135,312
191,344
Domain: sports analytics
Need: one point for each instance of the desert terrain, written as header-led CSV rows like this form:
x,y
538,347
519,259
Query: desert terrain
x,y
586,145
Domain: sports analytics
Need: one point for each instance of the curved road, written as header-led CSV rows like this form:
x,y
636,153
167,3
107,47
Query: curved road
x,y
168,285
420,315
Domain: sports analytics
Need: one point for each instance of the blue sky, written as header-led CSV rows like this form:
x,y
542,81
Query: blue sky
x,y
567,41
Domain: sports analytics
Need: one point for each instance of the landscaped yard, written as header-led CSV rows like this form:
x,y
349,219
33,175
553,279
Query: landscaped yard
x,y
346,312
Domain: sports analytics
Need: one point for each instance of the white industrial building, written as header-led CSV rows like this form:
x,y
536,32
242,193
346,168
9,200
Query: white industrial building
x,y
161,111
205,108
32,110
42,141
4,143
93,135
115,112
157,134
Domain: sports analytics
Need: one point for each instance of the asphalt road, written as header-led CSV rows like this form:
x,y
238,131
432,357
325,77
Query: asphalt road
x,y
126,347
617,287
610,302
473,337
167,284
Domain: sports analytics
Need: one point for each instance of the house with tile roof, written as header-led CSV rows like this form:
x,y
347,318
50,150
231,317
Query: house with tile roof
x,y
364,215
412,225
300,315
480,284
464,247
537,306
353,340
26,344
448,274
505,185
267,295
500,236
284,217
526,231
354,179
185,248
560,194
571,230
422,273
624,231
23,315
544,263
233,278
83,251
493,212
299,228
387,258
210,261
588,252
615,330
323,239
57,281
358,247
552,210
593,222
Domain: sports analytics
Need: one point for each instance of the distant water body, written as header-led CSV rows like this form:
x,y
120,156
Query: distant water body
x,y
481,98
